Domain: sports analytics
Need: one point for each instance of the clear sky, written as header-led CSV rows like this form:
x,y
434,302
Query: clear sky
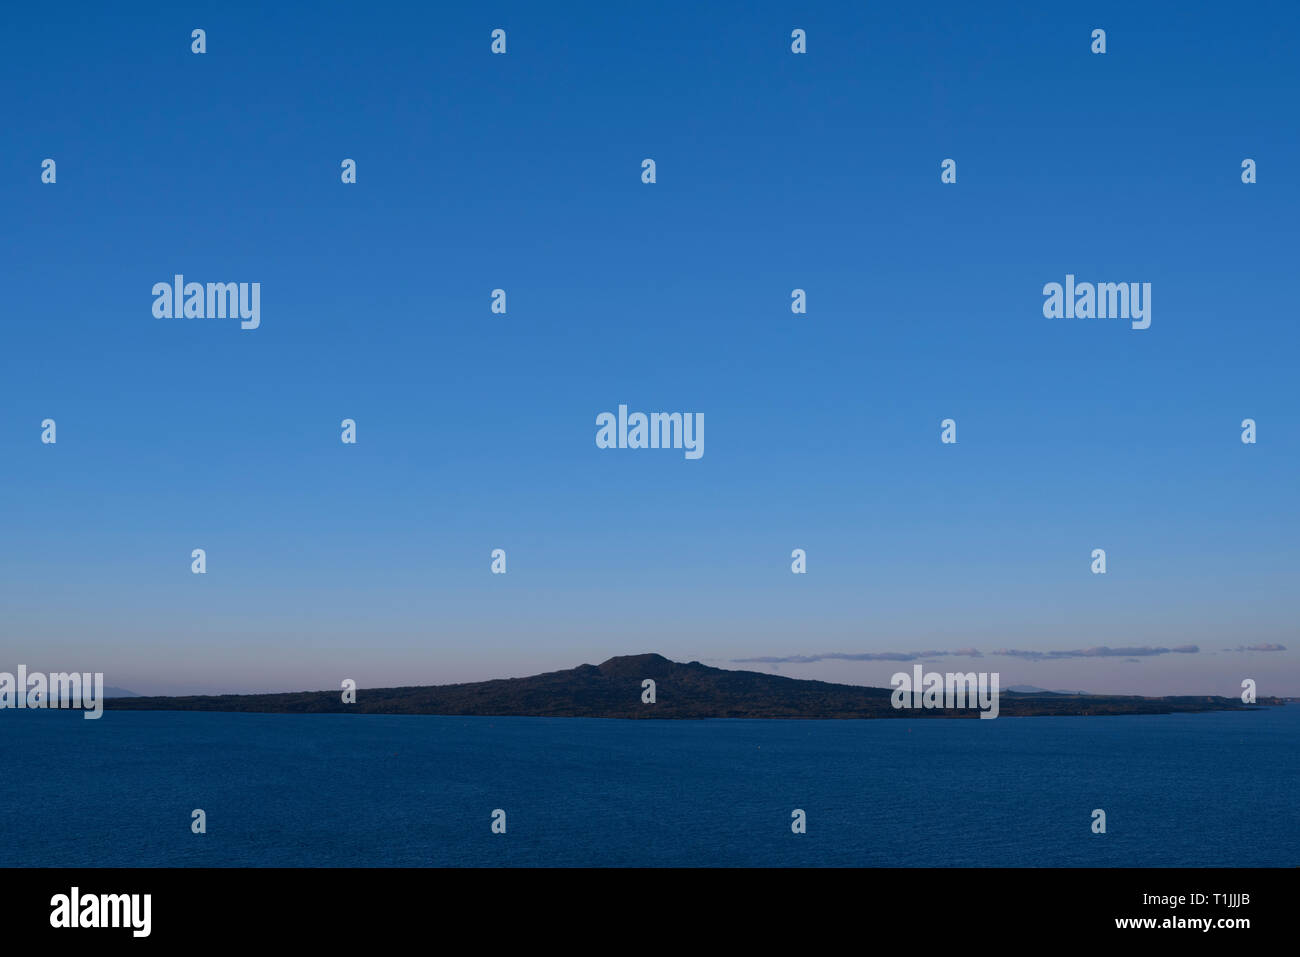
x,y
476,431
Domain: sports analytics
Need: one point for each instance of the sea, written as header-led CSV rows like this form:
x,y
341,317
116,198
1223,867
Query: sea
x,y
1187,790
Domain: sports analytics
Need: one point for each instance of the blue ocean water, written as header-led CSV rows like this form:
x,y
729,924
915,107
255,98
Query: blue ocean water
x,y
352,790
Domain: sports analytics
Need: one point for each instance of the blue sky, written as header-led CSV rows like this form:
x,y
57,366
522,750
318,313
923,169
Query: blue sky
x,y
475,431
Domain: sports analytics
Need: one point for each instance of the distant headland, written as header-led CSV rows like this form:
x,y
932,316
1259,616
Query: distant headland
x,y
618,689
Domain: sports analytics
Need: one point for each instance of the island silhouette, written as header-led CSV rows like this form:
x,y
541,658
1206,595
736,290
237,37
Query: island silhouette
x,y
616,689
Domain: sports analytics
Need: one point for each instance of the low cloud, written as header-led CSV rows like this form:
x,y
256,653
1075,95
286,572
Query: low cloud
x,y
1262,646
1145,651
1130,654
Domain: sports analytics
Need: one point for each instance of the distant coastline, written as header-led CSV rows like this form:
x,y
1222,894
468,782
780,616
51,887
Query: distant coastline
x,y
614,689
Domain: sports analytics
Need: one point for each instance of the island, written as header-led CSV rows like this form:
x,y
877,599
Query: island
x,y
615,689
